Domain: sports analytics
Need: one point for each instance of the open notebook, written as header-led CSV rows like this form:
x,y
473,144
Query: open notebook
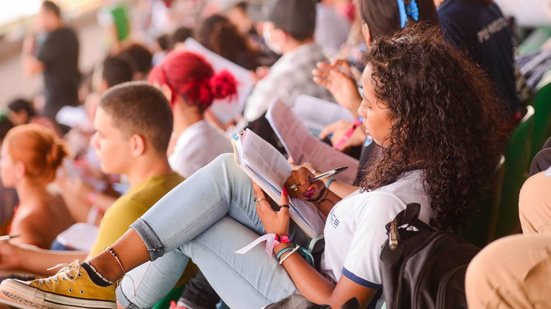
x,y
269,169
302,147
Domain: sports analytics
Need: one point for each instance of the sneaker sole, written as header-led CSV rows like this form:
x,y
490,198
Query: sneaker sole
x,y
19,291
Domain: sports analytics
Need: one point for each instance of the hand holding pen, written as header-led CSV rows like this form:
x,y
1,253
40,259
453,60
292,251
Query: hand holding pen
x,y
304,185
321,176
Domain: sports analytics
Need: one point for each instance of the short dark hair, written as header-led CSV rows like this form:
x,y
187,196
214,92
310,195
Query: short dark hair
x,y
139,57
180,35
24,105
163,41
116,70
242,5
51,7
296,17
139,108
382,16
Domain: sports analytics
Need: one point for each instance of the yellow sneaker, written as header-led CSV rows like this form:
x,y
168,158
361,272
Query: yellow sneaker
x,y
71,287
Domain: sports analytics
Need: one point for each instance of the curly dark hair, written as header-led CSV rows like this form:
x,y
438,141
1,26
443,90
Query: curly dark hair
x,y
445,120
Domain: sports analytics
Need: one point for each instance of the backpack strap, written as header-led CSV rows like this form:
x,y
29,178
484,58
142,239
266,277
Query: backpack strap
x,y
409,217
406,218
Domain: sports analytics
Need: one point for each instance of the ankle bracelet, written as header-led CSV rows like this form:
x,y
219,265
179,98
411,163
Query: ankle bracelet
x,y
114,254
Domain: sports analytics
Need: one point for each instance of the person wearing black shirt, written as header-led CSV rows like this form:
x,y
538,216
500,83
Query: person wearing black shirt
x,y
478,28
54,53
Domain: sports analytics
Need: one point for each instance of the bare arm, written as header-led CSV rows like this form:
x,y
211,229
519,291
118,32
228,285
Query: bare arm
x,y
31,259
313,285
319,289
341,189
31,65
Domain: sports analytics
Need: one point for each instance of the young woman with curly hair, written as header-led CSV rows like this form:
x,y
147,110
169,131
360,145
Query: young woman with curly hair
x,y
423,103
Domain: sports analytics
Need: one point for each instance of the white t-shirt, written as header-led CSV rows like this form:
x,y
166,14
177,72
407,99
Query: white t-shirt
x,y
199,144
355,228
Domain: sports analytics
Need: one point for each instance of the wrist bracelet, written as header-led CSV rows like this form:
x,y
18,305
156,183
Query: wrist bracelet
x,y
289,254
282,252
302,251
321,197
307,255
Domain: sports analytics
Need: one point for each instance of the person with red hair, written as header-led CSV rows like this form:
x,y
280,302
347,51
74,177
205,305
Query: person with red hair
x,y
191,85
30,157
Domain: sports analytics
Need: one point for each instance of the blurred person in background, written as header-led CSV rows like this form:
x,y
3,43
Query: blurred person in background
x,y
191,85
479,29
179,36
332,27
54,52
18,111
139,57
30,157
218,34
289,30
85,188
113,18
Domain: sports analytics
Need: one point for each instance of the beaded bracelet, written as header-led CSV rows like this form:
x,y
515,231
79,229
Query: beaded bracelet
x,y
116,257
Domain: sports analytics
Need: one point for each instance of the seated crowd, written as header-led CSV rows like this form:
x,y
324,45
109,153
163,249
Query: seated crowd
x,y
128,180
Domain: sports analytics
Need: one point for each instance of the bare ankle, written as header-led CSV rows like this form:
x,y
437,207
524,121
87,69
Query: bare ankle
x,y
107,266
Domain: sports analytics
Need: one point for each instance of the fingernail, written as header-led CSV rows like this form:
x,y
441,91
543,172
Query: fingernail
x,y
284,192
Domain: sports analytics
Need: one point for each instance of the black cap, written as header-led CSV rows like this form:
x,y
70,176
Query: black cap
x,y
296,17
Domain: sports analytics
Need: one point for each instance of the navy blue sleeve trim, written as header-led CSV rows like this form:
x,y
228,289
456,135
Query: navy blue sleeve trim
x,y
348,274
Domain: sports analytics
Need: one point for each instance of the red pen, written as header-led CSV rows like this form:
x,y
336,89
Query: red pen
x,y
340,144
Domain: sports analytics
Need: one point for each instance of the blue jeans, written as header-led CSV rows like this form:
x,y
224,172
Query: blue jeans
x,y
207,218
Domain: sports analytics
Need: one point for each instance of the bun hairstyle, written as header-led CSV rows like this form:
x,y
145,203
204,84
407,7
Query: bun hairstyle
x,y
38,148
190,76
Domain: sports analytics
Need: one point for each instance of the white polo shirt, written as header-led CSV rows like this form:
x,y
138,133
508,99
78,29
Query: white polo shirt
x,y
199,144
355,228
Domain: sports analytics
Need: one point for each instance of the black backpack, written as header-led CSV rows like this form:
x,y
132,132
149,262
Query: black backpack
x,y
422,267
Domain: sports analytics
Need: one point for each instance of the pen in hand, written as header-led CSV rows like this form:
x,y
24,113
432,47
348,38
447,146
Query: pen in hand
x,y
322,176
